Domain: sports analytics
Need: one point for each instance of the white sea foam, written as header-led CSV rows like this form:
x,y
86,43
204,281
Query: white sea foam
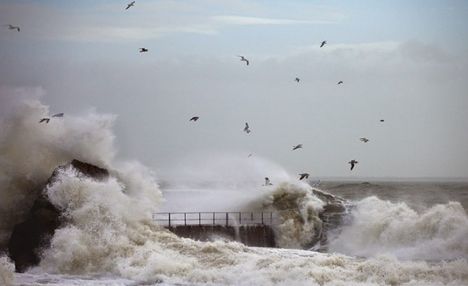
x,y
7,270
380,227
108,230
30,151
299,225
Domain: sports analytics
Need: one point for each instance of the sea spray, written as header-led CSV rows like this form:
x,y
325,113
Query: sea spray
x,y
7,270
298,208
382,227
108,231
30,151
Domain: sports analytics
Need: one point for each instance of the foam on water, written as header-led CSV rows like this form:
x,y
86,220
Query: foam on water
x,y
7,270
382,227
109,231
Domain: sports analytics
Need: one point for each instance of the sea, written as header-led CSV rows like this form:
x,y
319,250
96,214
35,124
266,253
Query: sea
x,y
397,232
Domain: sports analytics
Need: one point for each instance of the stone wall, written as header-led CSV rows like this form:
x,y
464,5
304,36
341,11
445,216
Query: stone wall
x,y
255,235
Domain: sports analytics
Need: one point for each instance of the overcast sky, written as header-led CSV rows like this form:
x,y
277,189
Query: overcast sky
x,y
402,61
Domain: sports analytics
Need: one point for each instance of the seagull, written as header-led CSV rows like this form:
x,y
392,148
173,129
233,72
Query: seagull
x,y
267,182
323,43
131,4
247,128
58,114
143,50
298,79
298,146
45,119
381,120
352,162
303,176
195,118
364,139
11,27
243,59
340,82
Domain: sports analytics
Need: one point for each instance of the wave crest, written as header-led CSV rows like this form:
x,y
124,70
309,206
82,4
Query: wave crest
x,y
380,227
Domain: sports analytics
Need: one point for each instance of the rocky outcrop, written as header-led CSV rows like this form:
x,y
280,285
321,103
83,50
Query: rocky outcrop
x,y
305,216
32,235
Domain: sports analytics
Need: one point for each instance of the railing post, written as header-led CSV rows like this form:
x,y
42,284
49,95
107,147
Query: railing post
x,y
169,219
271,217
262,218
240,218
185,219
214,215
199,218
251,217
227,219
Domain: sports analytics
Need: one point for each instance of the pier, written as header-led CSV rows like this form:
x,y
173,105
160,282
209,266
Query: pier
x,y
249,228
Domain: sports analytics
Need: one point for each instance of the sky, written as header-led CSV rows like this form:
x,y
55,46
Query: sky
x,y
402,61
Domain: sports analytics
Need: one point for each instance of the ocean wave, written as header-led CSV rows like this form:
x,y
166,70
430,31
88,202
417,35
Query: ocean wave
x,y
107,228
382,227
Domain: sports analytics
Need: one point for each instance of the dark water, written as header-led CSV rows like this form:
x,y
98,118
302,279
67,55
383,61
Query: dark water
x,y
418,195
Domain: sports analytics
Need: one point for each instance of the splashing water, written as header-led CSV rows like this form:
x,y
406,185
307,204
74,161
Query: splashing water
x,y
108,230
381,227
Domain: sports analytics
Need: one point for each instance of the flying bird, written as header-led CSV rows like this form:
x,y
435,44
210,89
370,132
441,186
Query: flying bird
x,y
381,120
247,128
298,146
364,139
267,182
250,155
243,59
143,50
303,176
131,4
11,27
298,79
323,43
45,119
195,118
340,82
58,114
352,162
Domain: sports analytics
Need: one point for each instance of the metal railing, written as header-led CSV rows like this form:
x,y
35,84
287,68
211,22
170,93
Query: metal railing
x,y
170,219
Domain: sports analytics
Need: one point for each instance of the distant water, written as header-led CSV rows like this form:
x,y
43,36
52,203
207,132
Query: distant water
x,y
398,233
417,195
395,233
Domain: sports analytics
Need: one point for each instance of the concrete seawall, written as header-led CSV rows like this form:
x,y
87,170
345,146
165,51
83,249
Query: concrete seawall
x,y
254,235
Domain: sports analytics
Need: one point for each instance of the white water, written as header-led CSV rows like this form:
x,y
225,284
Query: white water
x,y
381,227
110,238
7,270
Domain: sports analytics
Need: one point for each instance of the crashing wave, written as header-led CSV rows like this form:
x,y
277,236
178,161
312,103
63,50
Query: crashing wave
x,y
382,227
108,228
301,212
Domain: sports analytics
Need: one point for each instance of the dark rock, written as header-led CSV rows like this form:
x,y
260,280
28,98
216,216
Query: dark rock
x,y
90,170
34,234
